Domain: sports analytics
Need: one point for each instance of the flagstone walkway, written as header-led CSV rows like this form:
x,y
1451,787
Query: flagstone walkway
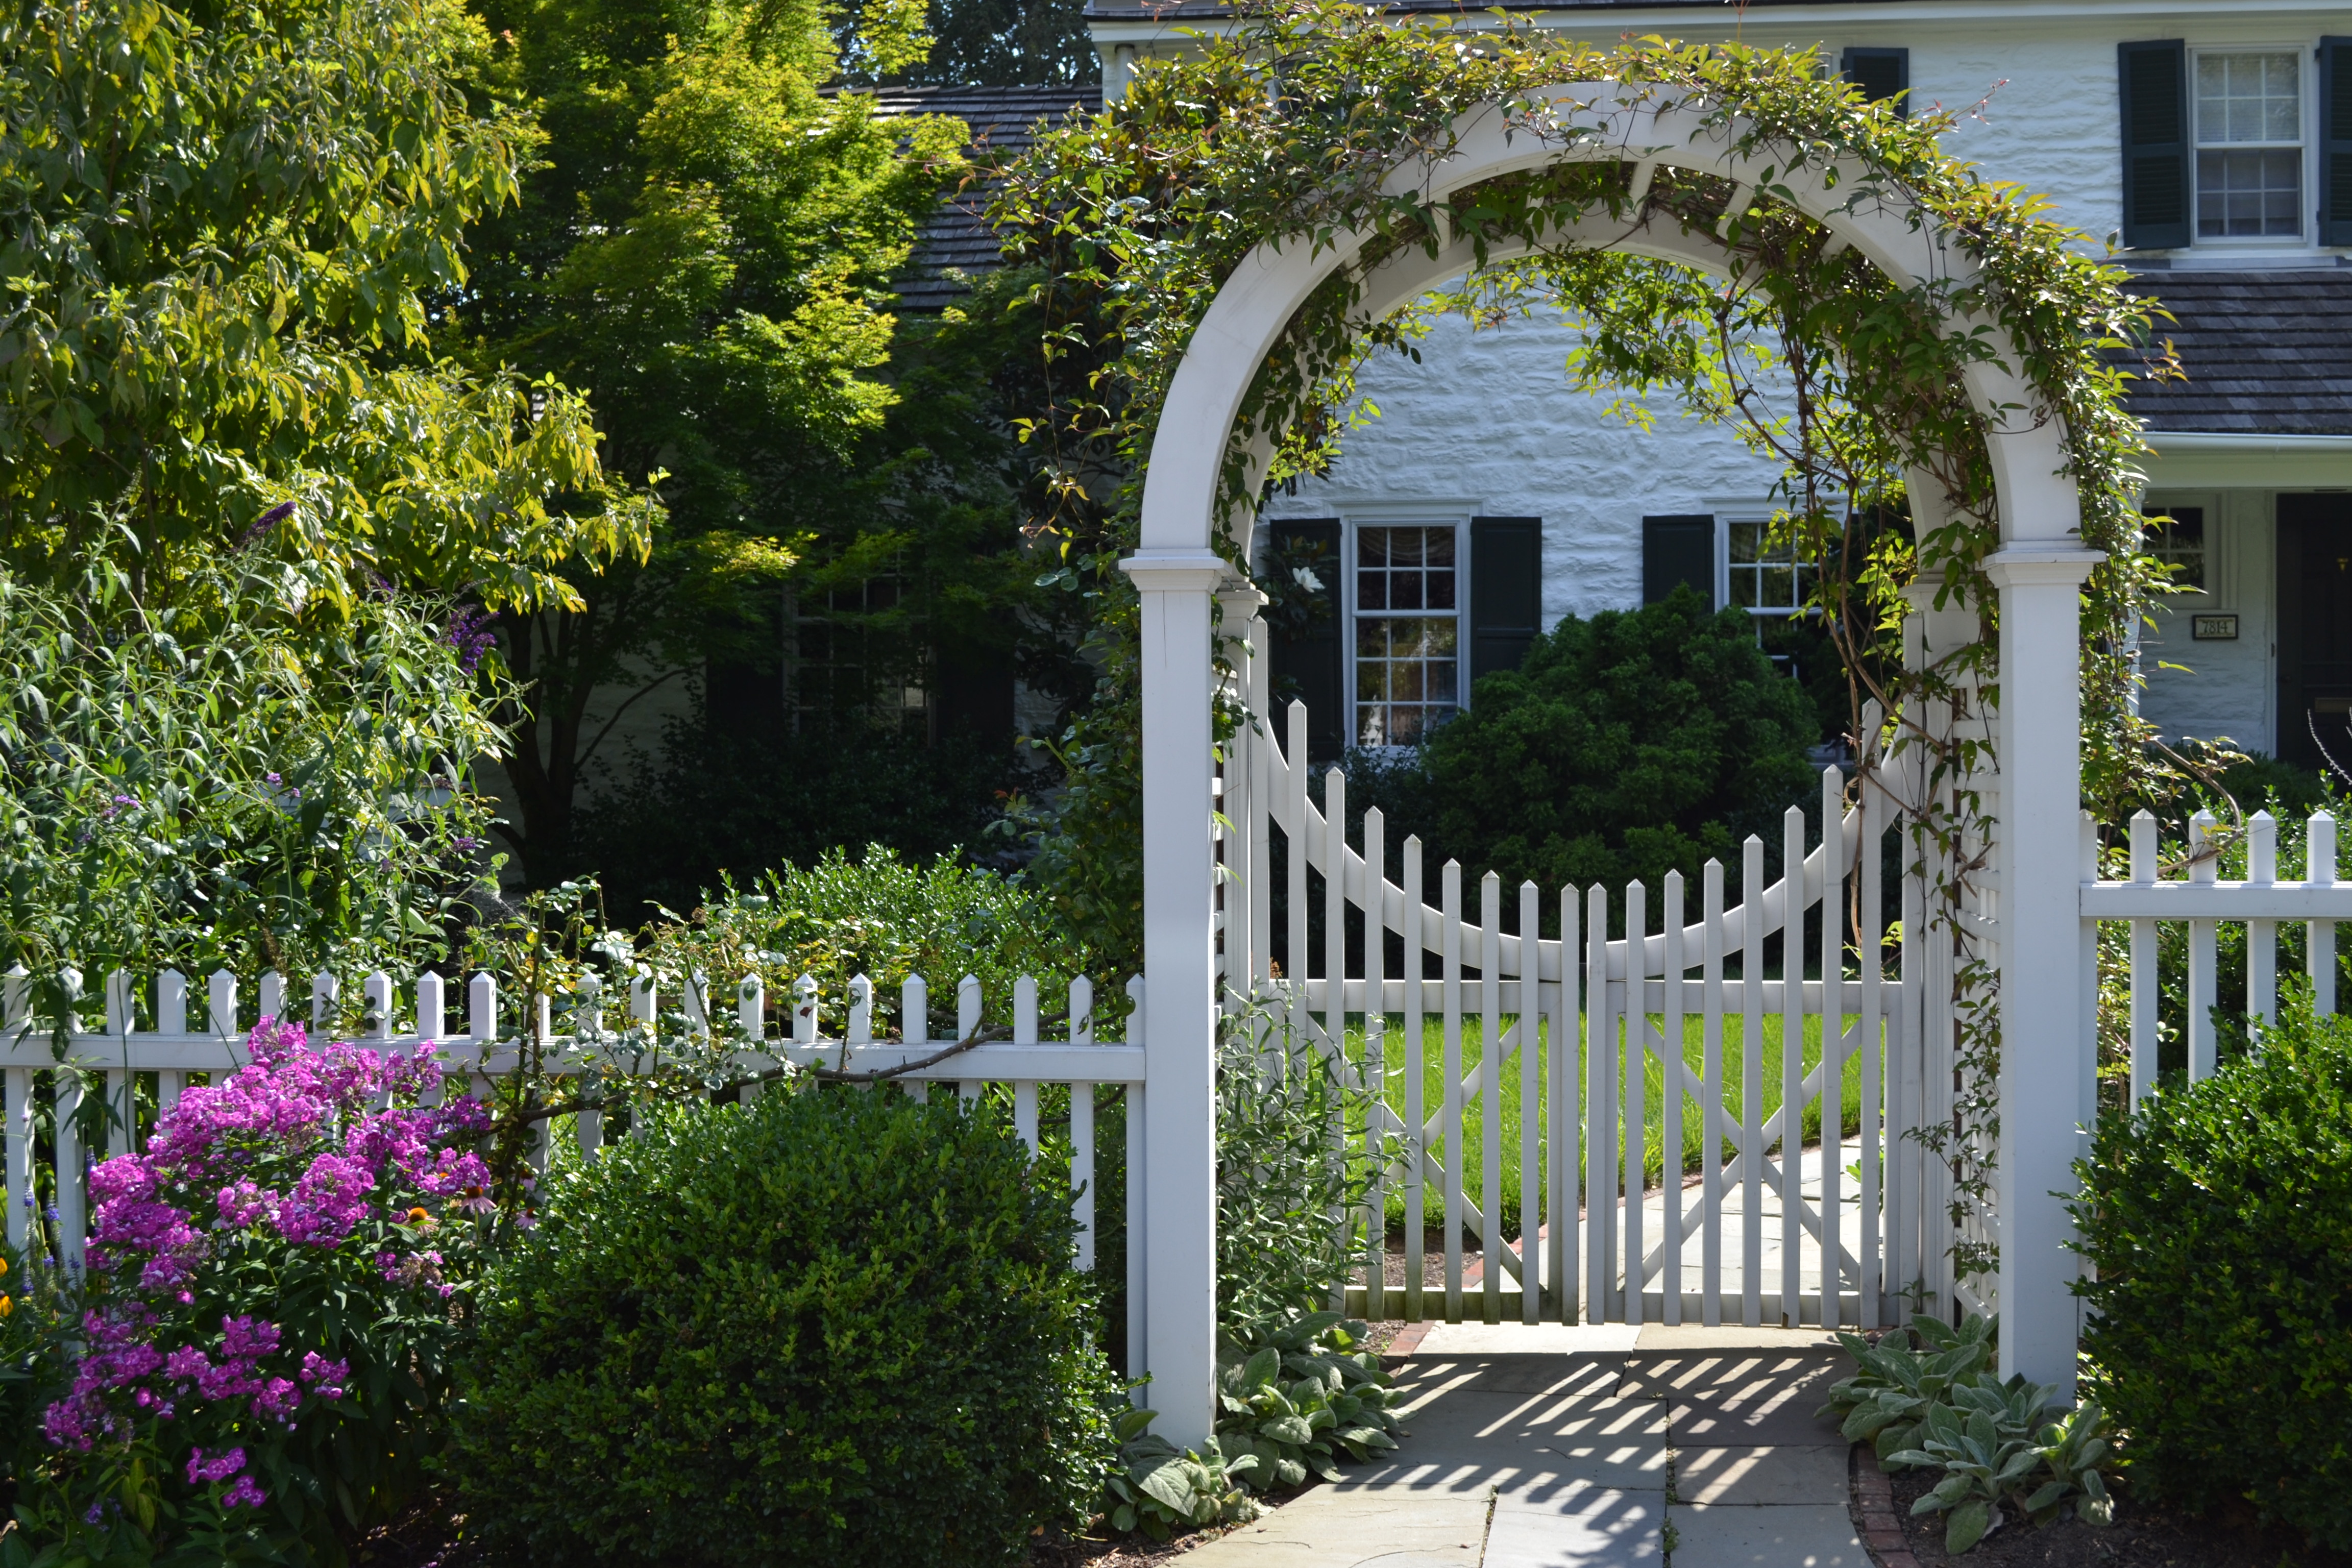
x,y
1587,1448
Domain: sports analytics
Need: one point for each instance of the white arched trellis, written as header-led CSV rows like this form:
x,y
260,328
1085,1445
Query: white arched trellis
x,y
2044,1003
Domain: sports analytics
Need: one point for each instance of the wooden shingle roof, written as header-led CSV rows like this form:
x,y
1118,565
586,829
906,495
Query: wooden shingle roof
x,y
2266,353
956,240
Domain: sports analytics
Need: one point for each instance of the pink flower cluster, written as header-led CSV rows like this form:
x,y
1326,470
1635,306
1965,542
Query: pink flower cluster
x,y
300,1148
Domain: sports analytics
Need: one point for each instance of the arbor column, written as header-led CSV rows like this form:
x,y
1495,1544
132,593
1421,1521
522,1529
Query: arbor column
x,y
1178,1163
2043,990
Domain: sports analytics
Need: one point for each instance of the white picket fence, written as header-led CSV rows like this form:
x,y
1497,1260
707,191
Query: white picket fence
x,y
403,1018
1583,1021
2202,902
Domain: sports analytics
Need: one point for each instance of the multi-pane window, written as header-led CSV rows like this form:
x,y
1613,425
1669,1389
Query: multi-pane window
x,y
1408,634
855,651
1765,578
2177,538
2249,146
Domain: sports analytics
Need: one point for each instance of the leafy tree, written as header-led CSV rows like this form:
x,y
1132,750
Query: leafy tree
x,y
1006,43
218,782
224,228
705,252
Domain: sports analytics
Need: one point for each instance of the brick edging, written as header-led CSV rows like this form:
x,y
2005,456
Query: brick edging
x,y
1873,1512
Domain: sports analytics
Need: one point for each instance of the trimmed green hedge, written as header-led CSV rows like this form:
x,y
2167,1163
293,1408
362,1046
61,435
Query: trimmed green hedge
x,y
2219,1221
834,1327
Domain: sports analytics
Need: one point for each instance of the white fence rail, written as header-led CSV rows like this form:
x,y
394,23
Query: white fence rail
x,y
2203,903
175,1052
1583,1023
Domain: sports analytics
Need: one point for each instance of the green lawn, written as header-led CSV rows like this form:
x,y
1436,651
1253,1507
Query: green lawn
x,y
1474,1111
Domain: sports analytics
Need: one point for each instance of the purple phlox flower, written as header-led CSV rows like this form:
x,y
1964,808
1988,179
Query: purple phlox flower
x,y
248,1338
219,1468
326,1376
329,1202
271,778
277,1399
186,1364
244,1494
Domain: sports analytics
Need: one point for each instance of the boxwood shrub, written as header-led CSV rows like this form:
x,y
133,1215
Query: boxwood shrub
x,y
834,1327
2219,1221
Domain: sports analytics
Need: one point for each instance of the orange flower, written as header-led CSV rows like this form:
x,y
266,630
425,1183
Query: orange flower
x,y
6,1306
417,1216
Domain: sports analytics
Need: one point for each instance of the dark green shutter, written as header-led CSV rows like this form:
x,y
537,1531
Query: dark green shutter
x,y
1674,550
2154,86
1506,591
1307,664
2336,140
1881,74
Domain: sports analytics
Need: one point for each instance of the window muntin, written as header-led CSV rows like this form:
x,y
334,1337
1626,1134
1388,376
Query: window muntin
x,y
1408,633
2249,117
2175,536
1765,577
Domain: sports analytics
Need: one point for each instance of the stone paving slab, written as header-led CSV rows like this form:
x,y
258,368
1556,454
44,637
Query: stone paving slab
x,y
1467,1441
1607,1530
1336,1527
1528,1339
1689,1337
1725,1535
1562,1376
1789,1474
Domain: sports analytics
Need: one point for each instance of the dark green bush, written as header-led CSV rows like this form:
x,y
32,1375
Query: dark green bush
x,y
835,1327
1627,745
2219,1221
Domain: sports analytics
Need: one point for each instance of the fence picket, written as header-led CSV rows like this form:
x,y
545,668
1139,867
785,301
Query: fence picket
x,y
1565,1119
1529,1028
2319,936
1490,1091
1635,1125
1082,1117
1376,1019
1450,891
1670,1110
1833,1038
1869,943
1711,1102
1416,938
2203,977
2262,935
1600,1111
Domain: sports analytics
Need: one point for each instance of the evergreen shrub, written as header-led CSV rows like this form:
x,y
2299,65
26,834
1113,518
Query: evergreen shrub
x,y
833,1327
1629,744
2218,1218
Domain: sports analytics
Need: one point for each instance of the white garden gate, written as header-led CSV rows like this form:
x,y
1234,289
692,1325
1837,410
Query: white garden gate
x,y
1591,1038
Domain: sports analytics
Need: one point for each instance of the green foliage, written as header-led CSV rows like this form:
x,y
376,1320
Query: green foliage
x,y
1283,1172
1938,1407
706,250
219,779
35,1368
885,918
228,231
2218,1218
1159,1489
831,1326
1626,746
1003,43
1295,1397
1885,1400
715,803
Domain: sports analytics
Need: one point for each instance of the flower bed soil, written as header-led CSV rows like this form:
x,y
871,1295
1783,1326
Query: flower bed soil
x,y
2142,1536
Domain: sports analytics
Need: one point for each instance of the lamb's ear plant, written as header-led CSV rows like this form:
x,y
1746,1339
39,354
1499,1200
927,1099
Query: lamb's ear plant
x,y
1296,1398
1939,1408
1159,1489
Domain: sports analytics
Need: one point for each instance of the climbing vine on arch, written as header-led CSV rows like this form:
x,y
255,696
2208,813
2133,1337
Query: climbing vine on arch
x,y
1291,130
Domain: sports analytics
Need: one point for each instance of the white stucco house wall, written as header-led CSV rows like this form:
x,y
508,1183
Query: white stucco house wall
x,y
2211,144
